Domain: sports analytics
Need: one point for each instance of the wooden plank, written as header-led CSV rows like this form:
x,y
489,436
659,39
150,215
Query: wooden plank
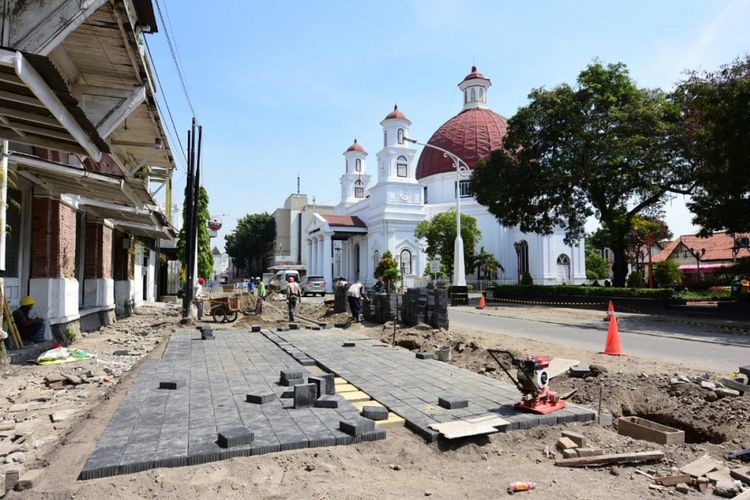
x,y
700,467
620,458
741,475
558,366
641,428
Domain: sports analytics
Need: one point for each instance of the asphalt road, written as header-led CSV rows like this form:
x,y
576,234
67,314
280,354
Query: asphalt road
x,y
699,347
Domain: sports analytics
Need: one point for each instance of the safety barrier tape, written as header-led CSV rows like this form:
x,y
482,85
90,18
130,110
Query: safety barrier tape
x,y
729,329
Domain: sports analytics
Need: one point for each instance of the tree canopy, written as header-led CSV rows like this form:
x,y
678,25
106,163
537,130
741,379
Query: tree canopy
x,y
387,267
440,234
597,267
248,243
205,259
602,148
716,139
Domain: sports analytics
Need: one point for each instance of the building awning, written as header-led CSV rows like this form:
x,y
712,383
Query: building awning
x,y
149,221
64,179
36,107
704,267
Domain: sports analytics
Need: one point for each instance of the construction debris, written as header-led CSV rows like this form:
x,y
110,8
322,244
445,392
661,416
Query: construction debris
x,y
619,458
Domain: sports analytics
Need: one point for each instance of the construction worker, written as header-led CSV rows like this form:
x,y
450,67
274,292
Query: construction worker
x,y
261,289
379,286
293,296
354,297
198,297
30,329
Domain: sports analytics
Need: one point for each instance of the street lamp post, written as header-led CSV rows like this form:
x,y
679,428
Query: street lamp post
x,y
462,170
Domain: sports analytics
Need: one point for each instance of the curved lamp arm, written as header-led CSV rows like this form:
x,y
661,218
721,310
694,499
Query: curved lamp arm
x,y
458,163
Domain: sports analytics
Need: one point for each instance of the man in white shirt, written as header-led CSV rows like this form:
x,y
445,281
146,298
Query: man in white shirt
x,y
354,296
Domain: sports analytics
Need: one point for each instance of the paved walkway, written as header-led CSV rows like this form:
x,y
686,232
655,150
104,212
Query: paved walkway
x,y
155,427
410,387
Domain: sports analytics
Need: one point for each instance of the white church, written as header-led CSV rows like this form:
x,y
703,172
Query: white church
x,y
381,206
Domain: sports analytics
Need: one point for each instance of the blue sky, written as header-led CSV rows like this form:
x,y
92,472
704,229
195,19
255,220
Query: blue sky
x,y
284,87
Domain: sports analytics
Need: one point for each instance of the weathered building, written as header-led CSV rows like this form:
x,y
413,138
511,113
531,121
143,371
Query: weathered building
x,y
85,147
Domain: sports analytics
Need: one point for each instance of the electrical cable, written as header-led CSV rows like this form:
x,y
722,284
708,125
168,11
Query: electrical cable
x,y
175,59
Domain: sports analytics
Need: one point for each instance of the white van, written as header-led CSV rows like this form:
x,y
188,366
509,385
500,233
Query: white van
x,y
281,278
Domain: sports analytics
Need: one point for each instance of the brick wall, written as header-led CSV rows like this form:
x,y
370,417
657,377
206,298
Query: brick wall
x,y
123,258
53,240
98,258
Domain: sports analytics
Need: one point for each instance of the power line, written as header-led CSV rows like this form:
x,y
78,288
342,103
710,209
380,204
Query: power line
x,y
166,103
175,59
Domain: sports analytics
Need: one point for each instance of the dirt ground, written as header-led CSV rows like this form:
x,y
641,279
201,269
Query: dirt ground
x,y
402,466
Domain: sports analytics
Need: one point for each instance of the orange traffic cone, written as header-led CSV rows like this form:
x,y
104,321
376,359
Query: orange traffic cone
x,y
482,304
610,311
613,347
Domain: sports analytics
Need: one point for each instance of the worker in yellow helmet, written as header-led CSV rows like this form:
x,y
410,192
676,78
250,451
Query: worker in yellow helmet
x,y
31,329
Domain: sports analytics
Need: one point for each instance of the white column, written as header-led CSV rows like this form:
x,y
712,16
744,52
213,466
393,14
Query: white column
x,y
327,261
319,243
313,256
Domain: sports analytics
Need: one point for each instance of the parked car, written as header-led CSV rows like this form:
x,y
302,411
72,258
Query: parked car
x,y
281,279
314,284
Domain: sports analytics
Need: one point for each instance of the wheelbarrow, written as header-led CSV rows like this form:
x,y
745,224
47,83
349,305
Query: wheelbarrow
x,y
224,309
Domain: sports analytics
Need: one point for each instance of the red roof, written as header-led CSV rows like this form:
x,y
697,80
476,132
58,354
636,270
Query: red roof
x,y
474,75
395,114
718,247
355,147
344,220
471,135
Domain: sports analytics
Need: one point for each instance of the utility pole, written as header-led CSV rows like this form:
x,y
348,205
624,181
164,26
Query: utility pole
x,y
188,217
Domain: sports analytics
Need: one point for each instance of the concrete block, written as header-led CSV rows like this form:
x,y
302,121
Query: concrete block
x,y
171,384
453,402
330,384
255,328
321,383
565,443
356,426
745,370
375,435
291,373
294,326
293,381
307,361
569,453
355,396
326,402
260,398
235,436
348,344
641,428
425,355
305,395
579,371
578,438
375,412
734,384
588,452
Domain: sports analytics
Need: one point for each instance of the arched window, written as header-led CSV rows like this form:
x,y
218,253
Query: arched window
x,y
424,194
522,255
375,259
358,165
473,95
400,136
406,261
401,166
563,268
481,94
385,138
359,190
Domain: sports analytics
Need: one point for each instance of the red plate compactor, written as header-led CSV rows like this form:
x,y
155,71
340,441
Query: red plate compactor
x,y
533,382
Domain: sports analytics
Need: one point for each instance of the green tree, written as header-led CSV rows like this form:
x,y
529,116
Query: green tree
x,y
636,240
635,279
597,267
485,261
440,233
248,243
602,148
205,259
715,137
667,273
387,268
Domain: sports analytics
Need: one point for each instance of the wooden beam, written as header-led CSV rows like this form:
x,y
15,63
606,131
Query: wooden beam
x,y
621,458
119,113
30,117
56,134
21,99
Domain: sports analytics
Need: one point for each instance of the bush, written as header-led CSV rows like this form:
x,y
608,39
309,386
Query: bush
x,y
667,273
526,279
588,291
635,280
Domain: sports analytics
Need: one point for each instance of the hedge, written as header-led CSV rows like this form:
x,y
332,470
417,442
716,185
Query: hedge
x,y
589,291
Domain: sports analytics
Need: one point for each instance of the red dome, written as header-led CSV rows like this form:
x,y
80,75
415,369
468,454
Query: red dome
x,y
396,114
471,135
355,147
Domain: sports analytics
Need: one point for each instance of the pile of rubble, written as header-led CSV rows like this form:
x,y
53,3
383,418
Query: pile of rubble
x,y
42,403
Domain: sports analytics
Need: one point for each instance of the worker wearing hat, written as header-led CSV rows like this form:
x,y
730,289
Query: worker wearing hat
x,y
261,289
31,329
198,297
